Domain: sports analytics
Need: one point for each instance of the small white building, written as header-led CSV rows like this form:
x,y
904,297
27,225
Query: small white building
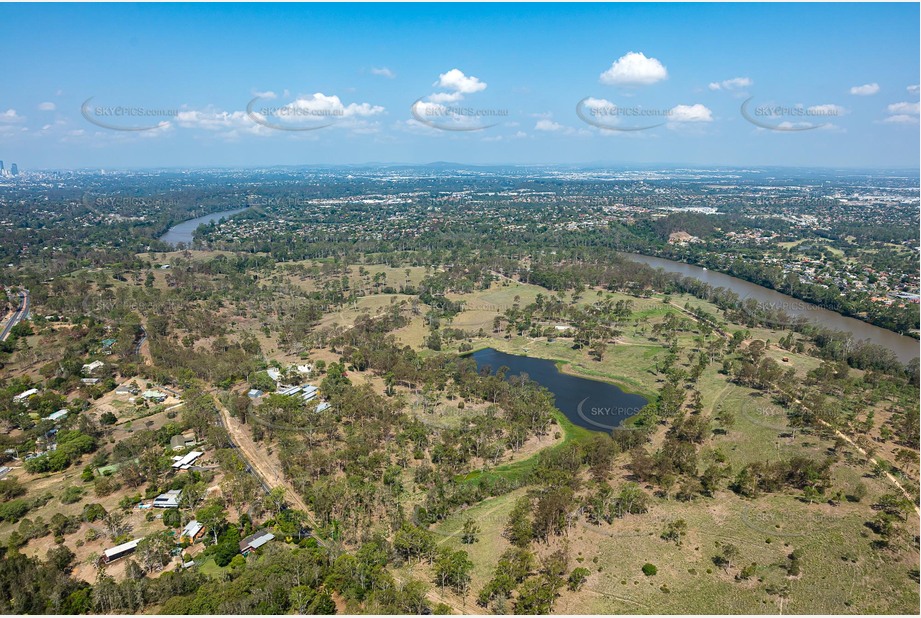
x,y
120,550
24,395
309,392
91,368
153,395
57,415
192,531
169,500
185,462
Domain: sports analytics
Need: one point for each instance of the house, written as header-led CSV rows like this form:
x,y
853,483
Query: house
x,y
184,463
309,392
274,373
89,380
191,532
21,397
91,368
119,551
303,368
255,541
56,416
127,389
107,345
169,500
323,406
288,390
178,442
153,395
254,393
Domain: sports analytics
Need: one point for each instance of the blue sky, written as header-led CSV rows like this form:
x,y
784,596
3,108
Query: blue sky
x,y
825,85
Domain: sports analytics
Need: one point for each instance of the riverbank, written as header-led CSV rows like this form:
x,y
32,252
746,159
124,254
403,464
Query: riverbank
x,y
184,232
905,348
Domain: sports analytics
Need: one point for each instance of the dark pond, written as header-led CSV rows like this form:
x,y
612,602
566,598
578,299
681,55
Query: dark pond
x,y
591,404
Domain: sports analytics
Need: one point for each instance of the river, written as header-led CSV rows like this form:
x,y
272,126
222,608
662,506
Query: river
x,y
591,404
183,232
905,348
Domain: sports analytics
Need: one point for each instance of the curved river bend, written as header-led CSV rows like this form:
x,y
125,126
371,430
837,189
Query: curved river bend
x,y
183,232
905,348
591,404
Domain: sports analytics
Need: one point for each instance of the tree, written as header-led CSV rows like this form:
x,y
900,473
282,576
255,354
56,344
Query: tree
x,y
728,553
211,515
577,578
649,569
116,524
470,532
519,530
452,568
154,551
172,518
674,531
413,543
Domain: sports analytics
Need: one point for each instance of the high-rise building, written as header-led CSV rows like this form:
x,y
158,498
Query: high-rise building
x,y
14,169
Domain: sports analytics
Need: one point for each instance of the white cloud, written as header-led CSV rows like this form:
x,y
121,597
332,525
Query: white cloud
x,y
735,83
330,105
915,90
383,72
10,116
865,90
47,106
634,69
904,108
545,124
690,113
826,109
458,82
212,119
268,94
902,119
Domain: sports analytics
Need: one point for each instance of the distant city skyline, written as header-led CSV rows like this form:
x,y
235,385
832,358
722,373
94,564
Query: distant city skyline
x,y
165,86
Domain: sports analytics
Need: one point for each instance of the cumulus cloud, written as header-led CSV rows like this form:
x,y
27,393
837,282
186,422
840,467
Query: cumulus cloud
x,y
690,113
901,119
904,108
903,112
915,90
10,116
826,109
456,80
865,90
550,126
47,106
457,84
383,72
736,83
212,119
634,69
331,105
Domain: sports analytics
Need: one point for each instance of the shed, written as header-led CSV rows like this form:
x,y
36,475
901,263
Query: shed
x,y
57,415
192,531
186,462
120,550
255,541
169,500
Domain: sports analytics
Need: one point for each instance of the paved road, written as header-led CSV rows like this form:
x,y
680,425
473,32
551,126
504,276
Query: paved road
x,y
18,316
